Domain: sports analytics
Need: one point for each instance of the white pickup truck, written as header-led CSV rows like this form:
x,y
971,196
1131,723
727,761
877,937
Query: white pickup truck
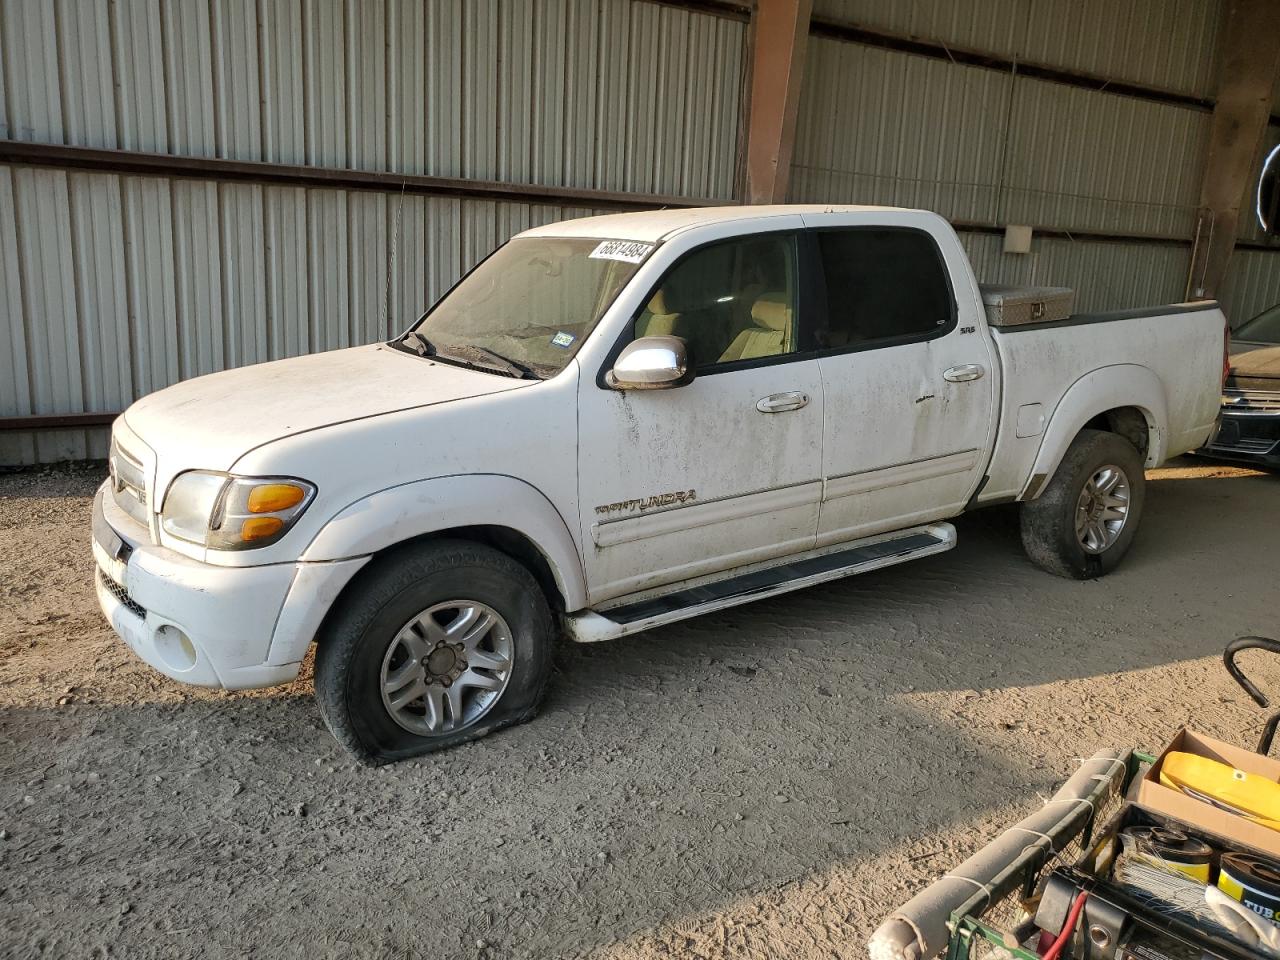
x,y
615,423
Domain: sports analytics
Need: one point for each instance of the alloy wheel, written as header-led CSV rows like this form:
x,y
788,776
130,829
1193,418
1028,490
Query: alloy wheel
x,y
447,667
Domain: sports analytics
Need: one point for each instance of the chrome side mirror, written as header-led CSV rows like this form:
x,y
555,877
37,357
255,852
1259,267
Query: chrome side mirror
x,y
651,363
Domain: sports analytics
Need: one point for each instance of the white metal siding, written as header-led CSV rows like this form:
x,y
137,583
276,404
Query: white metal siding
x,y
113,286
1253,284
984,146
605,94
877,126
138,76
977,144
1094,161
1105,275
1168,44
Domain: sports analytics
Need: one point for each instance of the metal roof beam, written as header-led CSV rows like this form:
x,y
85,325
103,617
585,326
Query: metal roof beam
x,y
253,171
1246,78
779,36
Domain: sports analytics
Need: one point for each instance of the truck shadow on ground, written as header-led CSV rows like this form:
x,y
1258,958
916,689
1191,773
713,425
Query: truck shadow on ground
x,y
671,776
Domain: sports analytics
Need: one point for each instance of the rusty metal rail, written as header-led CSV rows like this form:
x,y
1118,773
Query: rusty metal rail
x,y
282,174
57,421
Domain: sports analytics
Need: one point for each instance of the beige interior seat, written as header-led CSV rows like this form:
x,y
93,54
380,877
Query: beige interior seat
x,y
770,332
658,320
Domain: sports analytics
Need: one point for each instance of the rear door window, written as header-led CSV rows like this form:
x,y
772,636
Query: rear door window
x,y
883,285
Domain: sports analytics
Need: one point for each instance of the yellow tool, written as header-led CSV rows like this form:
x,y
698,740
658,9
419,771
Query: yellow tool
x,y
1244,794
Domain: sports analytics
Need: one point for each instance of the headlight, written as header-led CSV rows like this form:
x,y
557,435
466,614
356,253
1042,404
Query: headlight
x,y
222,512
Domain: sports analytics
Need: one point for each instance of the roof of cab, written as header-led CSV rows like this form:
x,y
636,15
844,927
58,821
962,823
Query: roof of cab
x,y
651,226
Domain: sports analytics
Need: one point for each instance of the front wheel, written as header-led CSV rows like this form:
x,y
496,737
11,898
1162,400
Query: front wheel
x,y
433,645
1086,518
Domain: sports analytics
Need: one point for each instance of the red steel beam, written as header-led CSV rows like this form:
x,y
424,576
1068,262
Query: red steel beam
x,y
779,36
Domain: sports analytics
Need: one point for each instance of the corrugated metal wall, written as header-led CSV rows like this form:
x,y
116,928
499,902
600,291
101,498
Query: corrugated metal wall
x,y
993,147
987,146
879,126
1079,160
606,94
1105,275
113,286
130,284
974,144
1170,44
1253,284
978,144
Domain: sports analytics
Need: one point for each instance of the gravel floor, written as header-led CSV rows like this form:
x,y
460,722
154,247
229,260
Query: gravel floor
x,y
767,782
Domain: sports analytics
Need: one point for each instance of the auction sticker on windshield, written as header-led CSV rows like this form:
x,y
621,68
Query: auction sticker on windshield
x,y
627,251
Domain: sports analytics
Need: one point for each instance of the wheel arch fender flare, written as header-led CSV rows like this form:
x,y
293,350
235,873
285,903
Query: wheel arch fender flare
x,y
1100,390
404,512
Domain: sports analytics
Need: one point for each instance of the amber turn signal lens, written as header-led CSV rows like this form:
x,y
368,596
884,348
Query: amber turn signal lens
x,y
259,528
271,497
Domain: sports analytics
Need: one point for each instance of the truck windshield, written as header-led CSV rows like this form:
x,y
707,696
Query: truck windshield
x,y
1264,328
531,304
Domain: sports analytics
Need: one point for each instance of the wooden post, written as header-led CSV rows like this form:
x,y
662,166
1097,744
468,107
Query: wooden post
x,y
1248,65
779,36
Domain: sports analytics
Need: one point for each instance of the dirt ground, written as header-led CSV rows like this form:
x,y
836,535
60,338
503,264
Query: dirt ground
x,y
767,782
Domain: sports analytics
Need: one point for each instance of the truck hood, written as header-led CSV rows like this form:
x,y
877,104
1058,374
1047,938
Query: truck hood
x,y
1254,362
210,422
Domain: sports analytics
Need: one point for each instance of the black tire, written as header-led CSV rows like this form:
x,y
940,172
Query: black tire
x,y
382,600
1049,523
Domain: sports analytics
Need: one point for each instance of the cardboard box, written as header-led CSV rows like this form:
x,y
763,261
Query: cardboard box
x,y
1150,793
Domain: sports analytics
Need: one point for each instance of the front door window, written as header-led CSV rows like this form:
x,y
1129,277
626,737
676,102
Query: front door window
x,y
731,302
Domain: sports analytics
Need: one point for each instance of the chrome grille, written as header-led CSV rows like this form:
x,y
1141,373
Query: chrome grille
x,y
128,484
1250,401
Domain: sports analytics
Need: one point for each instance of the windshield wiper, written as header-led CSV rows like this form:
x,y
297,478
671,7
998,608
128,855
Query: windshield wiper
x,y
493,362
421,345
512,368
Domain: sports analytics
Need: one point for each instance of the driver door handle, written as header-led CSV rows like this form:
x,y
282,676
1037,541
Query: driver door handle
x,y
782,402
966,371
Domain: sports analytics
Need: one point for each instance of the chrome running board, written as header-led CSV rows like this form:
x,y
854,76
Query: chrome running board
x,y
633,614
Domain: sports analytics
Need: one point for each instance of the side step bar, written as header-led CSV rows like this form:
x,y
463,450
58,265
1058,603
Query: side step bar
x,y
805,570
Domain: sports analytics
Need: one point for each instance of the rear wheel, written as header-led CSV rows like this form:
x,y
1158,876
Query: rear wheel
x,y
439,643
1086,518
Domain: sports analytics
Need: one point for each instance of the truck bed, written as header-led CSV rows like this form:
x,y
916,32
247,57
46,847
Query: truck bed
x,y
1180,344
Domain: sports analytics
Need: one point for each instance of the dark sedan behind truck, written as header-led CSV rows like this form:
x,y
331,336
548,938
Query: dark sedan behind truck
x,y
1250,426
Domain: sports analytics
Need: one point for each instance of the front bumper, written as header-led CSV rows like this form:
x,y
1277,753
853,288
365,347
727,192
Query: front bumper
x,y
1252,437
211,626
